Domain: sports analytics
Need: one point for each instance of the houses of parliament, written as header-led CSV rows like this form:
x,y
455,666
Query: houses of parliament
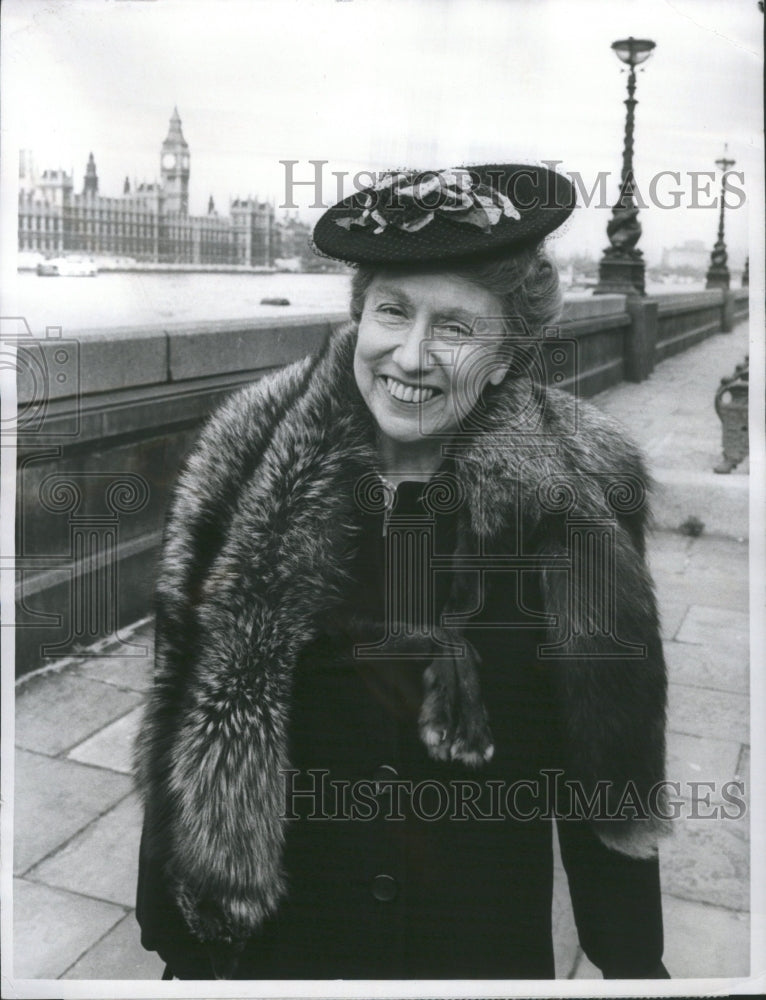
x,y
150,222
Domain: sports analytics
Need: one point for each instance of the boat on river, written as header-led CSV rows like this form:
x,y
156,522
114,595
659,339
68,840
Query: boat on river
x,y
67,267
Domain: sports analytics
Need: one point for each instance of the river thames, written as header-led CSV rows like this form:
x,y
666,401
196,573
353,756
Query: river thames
x,y
125,299
141,299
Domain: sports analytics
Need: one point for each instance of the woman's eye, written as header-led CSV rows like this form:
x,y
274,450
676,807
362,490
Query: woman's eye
x,y
389,309
451,330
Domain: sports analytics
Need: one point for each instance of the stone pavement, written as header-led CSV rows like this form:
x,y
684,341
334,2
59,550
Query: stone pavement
x,y
77,816
671,416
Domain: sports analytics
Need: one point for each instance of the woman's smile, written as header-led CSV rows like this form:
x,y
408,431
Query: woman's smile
x,y
405,392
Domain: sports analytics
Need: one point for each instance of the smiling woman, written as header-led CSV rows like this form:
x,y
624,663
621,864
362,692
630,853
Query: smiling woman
x,y
416,363
404,623
450,330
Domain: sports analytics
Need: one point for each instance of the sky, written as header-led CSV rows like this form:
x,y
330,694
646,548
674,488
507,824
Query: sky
x,y
374,84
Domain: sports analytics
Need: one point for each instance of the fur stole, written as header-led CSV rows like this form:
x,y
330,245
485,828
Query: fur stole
x,y
256,556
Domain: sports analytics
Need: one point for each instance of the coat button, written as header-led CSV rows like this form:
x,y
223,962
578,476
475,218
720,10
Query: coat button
x,y
384,888
385,773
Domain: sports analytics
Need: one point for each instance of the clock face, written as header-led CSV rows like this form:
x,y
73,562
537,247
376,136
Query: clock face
x,y
169,161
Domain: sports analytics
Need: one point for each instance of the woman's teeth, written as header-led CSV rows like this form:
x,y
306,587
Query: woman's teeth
x,y
408,393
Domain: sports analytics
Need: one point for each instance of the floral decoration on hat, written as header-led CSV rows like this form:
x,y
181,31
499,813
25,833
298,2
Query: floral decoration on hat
x,y
409,202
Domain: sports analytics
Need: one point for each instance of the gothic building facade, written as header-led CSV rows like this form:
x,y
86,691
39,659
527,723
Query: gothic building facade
x,y
151,222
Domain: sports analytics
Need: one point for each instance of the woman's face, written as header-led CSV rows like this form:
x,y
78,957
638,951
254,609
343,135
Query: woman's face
x,y
427,346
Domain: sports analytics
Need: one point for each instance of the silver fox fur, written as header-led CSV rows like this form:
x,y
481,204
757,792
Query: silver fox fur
x,y
256,556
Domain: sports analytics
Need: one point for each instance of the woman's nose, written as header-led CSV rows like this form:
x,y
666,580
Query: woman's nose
x,y
411,353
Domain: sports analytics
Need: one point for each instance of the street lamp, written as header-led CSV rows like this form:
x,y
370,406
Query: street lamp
x,y
718,272
622,266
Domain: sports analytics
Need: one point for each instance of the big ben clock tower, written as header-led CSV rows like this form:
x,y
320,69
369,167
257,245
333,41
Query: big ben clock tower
x,y
174,164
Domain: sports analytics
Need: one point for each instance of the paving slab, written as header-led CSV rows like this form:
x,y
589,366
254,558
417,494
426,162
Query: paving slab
x,y
701,941
54,799
716,555
708,861
56,711
711,648
683,441
585,969
144,634
118,955
134,673
695,759
720,588
705,624
720,502
667,552
685,384
673,610
102,861
53,928
705,941
565,941
718,715
681,435
112,747
708,666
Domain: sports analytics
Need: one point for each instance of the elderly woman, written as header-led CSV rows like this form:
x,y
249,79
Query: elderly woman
x,y
404,624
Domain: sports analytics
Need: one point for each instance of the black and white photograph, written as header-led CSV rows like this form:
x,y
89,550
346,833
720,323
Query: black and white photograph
x,y
382,525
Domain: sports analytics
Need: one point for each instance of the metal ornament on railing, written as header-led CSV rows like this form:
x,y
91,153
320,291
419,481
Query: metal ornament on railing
x,y
731,404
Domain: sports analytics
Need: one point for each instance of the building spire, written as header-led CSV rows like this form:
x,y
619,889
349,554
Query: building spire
x,y
175,134
90,181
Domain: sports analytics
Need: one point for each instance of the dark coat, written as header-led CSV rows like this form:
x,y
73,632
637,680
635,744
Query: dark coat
x,y
259,585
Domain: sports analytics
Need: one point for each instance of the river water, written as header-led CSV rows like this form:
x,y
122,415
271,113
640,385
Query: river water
x,y
137,299
125,299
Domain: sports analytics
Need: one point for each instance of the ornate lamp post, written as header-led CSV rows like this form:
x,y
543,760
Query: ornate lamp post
x,y
718,272
622,266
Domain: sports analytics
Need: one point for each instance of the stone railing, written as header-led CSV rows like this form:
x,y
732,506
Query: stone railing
x,y
105,419
684,320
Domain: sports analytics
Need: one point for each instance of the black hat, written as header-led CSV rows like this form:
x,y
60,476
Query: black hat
x,y
430,216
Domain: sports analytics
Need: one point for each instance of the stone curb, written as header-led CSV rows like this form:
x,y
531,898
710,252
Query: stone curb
x,y
720,502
